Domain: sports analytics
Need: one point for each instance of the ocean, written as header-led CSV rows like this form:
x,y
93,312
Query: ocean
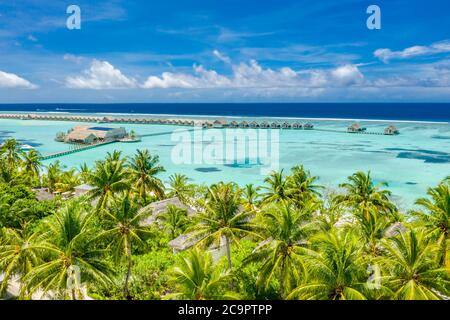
x,y
389,111
411,162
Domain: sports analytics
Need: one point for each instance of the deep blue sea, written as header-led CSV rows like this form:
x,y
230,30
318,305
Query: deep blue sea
x,y
391,111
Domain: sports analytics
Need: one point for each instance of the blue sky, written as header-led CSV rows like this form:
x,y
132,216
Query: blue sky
x,y
224,51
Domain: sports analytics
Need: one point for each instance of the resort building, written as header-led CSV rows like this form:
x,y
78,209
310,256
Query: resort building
x,y
355,128
391,130
308,126
82,190
297,125
219,124
254,125
90,135
158,207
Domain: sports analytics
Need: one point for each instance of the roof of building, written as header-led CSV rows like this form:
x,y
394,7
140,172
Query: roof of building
x,y
159,207
84,187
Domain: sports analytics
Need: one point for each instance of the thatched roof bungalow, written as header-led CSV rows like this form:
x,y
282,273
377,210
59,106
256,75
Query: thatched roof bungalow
x,y
297,125
355,128
234,124
159,207
286,125
254,125
391,130
264,125
308,126
243,124
220,124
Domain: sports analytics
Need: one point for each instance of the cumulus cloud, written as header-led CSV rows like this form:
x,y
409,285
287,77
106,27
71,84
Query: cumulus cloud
x,y
387,55
101,75
253,75
11,80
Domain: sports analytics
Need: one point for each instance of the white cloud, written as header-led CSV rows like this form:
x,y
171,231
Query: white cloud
x,y
252,75
101,75
221,56
32,38
11,80
386,55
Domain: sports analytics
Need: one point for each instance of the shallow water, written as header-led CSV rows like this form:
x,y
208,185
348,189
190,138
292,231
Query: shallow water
x,y
411,162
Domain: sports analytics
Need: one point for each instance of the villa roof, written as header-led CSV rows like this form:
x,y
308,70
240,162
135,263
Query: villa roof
x,y
159,207
84,187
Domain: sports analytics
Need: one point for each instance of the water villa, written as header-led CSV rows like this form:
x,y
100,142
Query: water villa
x,y
297,125
391,130
355,128
90,135
308,126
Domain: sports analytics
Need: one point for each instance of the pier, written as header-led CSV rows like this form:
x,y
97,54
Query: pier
x,y
203,123
72,151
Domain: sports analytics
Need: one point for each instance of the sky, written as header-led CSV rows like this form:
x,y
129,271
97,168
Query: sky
x,y
224,51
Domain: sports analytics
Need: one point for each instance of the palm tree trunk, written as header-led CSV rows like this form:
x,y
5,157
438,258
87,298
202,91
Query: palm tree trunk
x,y
282,273
227,242
127,277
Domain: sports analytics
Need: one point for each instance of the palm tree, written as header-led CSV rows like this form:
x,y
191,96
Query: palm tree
x,y
54,173
436,218
276,189
301,185
196,278
68,245
123,228
68,180
143,169
108,179
84,173
286,230
250,197
411,268
32,163
179,187
222,219
17,255
11,152
334,270
362,195
174,220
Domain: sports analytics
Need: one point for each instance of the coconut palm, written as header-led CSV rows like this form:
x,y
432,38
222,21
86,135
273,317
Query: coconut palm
x,y
32,163
411,269
17,255
363,195
179,187
122,224
11,153
68,244
334,269
222,220
68,180
277,188
301,185
109,178
197,278
143,168
54,172
84,172
250,197
286,230
436,218
174,220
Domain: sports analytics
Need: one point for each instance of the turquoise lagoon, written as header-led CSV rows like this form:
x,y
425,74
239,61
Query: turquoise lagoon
x,y
411,162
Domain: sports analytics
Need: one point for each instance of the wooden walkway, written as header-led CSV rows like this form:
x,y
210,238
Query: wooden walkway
x,y
72,151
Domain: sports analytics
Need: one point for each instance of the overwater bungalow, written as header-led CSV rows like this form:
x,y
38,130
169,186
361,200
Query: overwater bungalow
x,y
297,125
275,125
308,126
89,135
391,130
243,124
355,128
219,124
234,124
286,125
264,125
254,125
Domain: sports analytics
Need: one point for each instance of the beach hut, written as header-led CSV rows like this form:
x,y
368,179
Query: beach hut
x,y
286,125
391,130
254,125
355,128
308,126
297,125
159,207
